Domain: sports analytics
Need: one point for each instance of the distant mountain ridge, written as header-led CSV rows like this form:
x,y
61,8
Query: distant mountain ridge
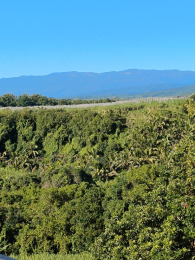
x,y
77,84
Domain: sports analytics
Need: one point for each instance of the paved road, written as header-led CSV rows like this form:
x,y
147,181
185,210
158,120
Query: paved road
x,y
160,99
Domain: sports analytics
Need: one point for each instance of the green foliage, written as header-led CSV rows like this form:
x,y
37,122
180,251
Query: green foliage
x,y
25,100
192,97
150,217
83,256
8,100
117,182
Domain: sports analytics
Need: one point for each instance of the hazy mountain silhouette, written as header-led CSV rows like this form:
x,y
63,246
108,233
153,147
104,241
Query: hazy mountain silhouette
x,y
77,84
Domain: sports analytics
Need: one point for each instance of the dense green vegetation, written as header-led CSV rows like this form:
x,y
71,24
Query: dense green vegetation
x,y
10,100
45,256
118,182
184,91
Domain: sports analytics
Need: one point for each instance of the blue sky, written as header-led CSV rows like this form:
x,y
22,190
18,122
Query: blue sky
x,y
41,37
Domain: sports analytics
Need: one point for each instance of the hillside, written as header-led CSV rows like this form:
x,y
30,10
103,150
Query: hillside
x,y
115,181
81,84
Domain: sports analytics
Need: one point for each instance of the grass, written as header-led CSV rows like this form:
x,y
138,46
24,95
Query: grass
x,y
99,106
148,104
83,256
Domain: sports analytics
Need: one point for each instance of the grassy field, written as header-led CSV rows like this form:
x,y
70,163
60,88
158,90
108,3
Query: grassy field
x,y
83,256
132,102
138,107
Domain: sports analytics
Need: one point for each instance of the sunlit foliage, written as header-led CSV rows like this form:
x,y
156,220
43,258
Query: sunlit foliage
x,y
117,182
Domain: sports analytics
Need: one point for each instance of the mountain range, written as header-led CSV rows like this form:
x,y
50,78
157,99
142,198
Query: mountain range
x,y
132,82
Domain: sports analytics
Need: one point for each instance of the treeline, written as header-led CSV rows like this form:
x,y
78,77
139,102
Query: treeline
x,y
10,100
119,183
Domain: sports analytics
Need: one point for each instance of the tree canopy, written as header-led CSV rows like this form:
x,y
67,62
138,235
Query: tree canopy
x,y
25,100
119,182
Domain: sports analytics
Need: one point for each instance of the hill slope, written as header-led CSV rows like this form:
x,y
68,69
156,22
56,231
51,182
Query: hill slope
x,y
77,84
116,182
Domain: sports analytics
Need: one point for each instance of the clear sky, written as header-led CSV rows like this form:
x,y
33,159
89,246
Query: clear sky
x,y
38,37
